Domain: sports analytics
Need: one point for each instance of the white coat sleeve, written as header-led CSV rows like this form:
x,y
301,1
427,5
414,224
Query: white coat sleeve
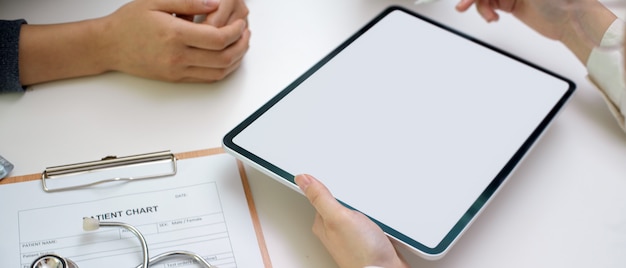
x,y
606,71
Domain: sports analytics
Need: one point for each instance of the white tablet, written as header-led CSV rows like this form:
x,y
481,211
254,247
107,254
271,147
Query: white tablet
x,y
408,121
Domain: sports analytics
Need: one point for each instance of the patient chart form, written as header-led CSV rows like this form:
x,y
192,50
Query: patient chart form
x,y
202,209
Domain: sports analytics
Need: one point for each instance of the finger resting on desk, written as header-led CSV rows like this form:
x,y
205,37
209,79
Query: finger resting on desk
x,y
207,75
213,38
219,58
183,7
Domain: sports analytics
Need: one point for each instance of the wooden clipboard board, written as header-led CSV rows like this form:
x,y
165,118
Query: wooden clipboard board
x,y
187,155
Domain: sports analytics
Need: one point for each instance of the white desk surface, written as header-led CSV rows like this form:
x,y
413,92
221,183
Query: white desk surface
x,y
565,206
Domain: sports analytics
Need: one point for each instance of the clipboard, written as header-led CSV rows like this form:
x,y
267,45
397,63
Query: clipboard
x,y
110,164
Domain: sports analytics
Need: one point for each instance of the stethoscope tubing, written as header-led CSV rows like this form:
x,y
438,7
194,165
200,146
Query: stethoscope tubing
x,y
144,246
94,224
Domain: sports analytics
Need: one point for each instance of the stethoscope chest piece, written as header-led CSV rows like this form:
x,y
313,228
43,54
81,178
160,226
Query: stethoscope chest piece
x,y
53,261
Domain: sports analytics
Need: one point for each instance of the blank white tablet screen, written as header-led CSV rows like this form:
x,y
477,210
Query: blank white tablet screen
x,y
408,123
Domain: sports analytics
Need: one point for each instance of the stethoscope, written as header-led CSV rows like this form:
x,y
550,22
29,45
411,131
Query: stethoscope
x,y
91,224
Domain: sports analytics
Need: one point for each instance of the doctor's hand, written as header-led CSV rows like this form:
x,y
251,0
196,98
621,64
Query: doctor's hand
x,y
578,24
150,42
351,238
551,18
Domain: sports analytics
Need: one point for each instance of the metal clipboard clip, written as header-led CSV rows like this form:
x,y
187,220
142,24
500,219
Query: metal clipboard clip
x,y
108,170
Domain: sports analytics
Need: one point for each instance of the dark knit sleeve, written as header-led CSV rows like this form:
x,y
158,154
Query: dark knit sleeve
x,y
9,46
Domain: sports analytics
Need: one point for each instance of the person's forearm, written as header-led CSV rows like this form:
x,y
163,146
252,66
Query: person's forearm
x,y
588,29
59,51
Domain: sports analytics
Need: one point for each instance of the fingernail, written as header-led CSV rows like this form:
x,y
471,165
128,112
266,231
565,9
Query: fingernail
x,y
303,181
244,25
210,3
